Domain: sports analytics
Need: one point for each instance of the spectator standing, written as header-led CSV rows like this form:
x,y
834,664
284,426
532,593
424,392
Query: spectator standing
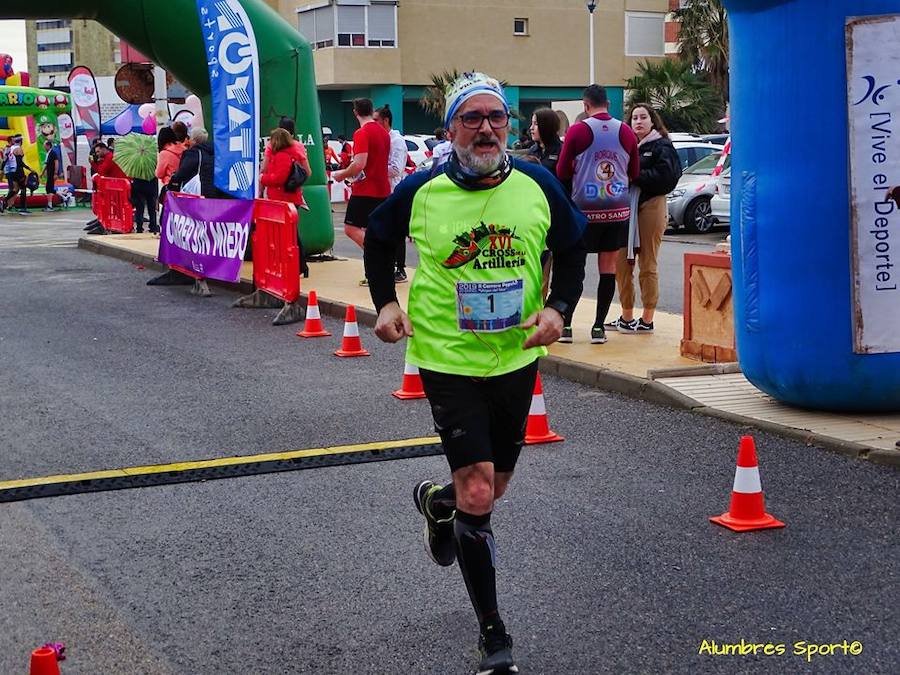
x,y
332,161
396,171
15,176
281,155
52,171
346,152
181,133
440,152
198,159
170,153
599,157
105,165
368,170
545,134
660,171
297,153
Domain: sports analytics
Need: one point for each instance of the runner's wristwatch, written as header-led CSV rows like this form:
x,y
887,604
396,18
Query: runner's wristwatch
x,y
560,306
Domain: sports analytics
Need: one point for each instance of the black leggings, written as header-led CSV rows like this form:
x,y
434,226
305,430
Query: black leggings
x,y
144,194
16,184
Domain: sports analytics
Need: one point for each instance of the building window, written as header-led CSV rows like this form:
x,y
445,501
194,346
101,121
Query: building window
x,y
350,23
54,47
645,34
52,23
520,26
317,26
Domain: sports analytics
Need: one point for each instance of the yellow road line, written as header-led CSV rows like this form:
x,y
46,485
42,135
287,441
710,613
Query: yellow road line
x,y
209,463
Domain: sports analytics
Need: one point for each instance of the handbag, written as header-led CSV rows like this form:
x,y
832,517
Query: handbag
x,y
193,187
296,178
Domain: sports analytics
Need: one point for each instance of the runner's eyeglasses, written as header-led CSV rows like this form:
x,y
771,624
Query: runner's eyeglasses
x,y
498,119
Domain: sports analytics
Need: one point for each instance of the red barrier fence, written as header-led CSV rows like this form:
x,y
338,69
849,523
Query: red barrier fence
x,y
112,204
276,255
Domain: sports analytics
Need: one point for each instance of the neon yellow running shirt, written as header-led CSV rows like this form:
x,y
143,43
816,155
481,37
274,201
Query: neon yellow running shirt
x,y
479,275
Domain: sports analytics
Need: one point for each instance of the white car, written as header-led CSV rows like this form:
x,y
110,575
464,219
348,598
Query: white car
x,y
720,204
688,203
417,146
692,151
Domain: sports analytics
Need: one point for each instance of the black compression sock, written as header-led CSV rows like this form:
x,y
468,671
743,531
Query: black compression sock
x,y
476,554
443,503
606,289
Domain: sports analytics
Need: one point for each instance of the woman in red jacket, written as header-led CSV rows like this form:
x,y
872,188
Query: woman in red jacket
x,y
281,153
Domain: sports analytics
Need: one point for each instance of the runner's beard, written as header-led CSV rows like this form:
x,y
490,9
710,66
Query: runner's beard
x,y
481,165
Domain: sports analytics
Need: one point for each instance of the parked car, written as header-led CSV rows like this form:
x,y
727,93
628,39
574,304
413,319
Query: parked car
x,y
718,139
720,204
689,202
417,146
692,151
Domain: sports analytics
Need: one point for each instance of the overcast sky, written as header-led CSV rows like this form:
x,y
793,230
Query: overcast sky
x,y
12,42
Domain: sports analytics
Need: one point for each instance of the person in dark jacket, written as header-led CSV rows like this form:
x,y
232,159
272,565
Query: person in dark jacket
x,y
198,157
545,134
660,171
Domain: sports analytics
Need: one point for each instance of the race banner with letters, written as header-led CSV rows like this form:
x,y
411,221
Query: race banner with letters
x,y
233,61
873,99
206,236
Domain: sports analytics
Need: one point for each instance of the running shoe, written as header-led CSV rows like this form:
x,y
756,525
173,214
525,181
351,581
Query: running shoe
x,y
439,540
566,336
598,335
400,277
621,321
626,326
495,647
636,327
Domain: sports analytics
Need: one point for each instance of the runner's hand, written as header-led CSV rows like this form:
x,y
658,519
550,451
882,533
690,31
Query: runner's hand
x,y
393,323
549,324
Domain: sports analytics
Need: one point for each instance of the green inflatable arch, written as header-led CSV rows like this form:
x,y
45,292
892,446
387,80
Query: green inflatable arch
x,y
168,32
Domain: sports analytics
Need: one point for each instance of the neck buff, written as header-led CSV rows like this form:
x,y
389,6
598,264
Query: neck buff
x,y
469,180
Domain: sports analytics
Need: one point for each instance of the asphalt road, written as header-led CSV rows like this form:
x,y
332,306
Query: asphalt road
x,y
671,261
607,561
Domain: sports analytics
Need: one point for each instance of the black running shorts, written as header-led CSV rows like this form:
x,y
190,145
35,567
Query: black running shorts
x,y
599,237
481,419
359,209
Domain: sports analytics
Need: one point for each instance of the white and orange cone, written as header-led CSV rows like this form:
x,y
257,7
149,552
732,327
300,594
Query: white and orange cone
x,y
538,428
412,384
351,345
313,326
747,510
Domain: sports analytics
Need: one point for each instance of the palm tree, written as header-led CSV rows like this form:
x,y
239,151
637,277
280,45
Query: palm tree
x,y
684,99
703,40
432,101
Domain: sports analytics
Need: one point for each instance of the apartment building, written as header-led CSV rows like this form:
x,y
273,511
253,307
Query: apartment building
x,y
388,49
55,46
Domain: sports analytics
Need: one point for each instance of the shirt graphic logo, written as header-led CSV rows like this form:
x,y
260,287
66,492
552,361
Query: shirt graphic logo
x,y
495,241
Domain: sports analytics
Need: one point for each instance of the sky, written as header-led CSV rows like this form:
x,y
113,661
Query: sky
x,y
12,42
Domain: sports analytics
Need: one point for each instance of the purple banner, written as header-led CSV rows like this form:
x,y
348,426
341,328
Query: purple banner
x,y
206,236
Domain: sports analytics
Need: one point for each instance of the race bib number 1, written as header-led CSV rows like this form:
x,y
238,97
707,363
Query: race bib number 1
x,y
489,307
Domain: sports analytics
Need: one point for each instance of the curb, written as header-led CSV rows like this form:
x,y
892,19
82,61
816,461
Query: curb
x,y
592,376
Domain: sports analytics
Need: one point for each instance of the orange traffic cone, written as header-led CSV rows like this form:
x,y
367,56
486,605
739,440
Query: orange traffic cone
x,y
538,428
747,510
412,384
313,326
352,345
44,662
